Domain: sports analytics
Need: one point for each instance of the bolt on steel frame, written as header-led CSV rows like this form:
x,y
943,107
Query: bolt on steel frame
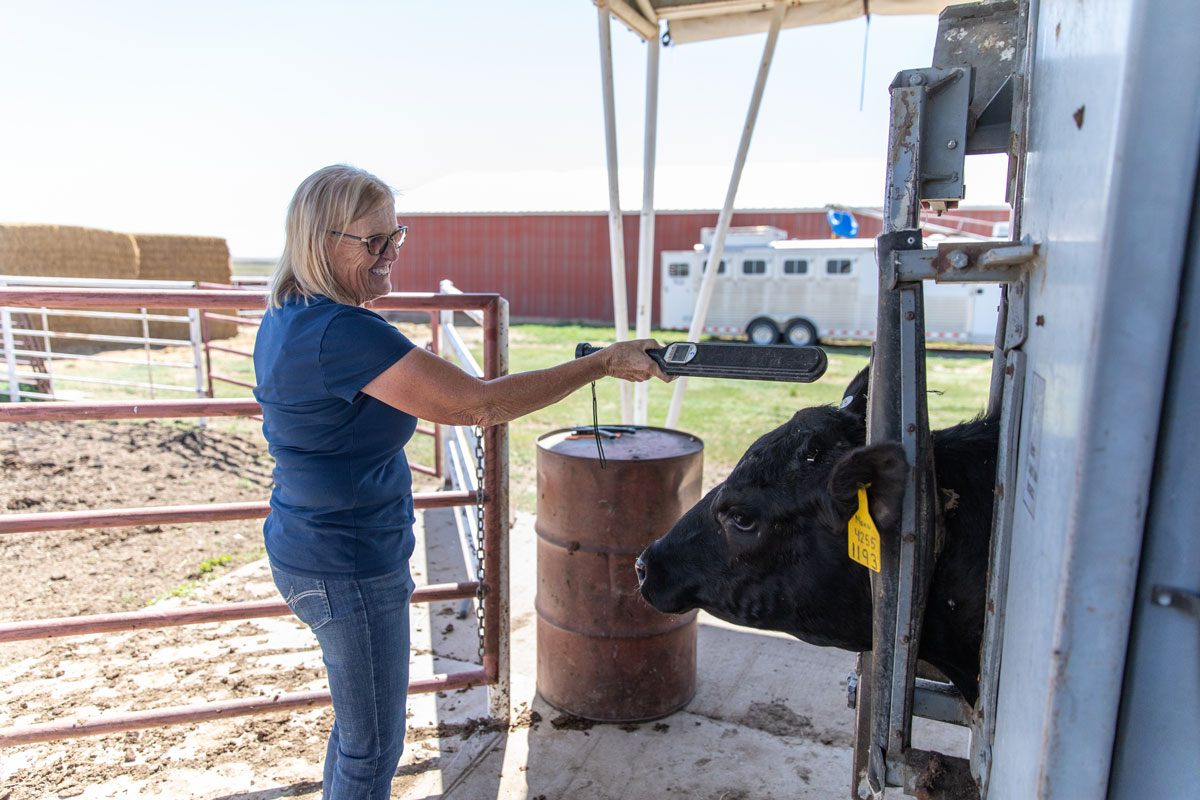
x,y
494,672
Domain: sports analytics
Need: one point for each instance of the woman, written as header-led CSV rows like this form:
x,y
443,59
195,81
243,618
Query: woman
x,y
341,391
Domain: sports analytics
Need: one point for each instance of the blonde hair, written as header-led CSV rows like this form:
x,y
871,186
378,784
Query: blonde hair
x,y
329,199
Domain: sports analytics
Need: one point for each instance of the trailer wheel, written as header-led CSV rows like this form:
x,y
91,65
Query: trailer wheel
x,y
801,333
762,331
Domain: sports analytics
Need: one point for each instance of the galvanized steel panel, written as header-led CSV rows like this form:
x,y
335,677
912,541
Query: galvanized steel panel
x,y
1157,752
1111,162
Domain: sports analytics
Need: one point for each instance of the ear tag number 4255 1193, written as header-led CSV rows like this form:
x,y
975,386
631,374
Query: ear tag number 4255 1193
x,y
863,535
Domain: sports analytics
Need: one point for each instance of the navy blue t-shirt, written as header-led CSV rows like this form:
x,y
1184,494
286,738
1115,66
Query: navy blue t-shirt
x,y
342,504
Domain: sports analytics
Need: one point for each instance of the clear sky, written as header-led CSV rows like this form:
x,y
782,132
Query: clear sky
x,y
201,117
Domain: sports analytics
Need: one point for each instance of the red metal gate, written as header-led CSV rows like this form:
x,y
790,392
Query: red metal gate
x,y
494,670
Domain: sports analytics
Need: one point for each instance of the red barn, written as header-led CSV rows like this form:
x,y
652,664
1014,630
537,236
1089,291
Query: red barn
x,y
553,265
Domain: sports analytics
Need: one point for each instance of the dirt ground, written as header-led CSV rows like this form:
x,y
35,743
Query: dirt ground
x,y
71,466
68,466
82,465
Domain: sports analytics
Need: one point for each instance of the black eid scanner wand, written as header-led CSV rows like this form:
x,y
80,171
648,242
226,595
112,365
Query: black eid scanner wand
x,y
746,362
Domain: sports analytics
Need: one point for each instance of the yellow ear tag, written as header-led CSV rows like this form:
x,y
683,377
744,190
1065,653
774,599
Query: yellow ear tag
x,y
864,536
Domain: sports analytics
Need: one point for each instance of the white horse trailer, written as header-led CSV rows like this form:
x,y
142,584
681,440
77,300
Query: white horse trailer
x,y
803,291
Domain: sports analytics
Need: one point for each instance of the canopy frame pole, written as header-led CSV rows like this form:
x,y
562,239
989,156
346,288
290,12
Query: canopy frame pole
x,y
718,244
646,265
616,233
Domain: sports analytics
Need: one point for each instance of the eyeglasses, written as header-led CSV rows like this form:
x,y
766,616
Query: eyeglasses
x,y
377,243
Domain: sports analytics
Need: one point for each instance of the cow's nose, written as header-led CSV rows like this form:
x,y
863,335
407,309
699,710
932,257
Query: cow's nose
x,y
639,567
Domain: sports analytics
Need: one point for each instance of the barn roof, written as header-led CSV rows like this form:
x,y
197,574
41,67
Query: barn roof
x,y
764,186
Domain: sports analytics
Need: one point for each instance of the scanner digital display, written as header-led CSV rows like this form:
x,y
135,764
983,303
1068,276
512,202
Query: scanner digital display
x,y
680,353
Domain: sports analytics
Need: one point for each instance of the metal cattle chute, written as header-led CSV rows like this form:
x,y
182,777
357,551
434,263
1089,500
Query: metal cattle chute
x,y
1090,665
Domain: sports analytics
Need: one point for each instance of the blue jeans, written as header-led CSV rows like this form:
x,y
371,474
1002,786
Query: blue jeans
x,y
362,627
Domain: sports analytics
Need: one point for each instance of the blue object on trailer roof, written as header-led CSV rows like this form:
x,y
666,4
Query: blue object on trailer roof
x,y
842,223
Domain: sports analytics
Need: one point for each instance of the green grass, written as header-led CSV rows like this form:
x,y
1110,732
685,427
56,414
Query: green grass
x,y
727,415
209,564
253,266
204,572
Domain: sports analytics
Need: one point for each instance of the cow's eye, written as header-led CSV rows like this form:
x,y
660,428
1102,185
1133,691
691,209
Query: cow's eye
x,y
741,520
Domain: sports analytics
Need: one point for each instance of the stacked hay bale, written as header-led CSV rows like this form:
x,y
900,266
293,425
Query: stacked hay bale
x,y
165,257
68,251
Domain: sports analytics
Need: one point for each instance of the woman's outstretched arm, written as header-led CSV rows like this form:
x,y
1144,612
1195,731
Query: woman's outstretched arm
x,y
429,387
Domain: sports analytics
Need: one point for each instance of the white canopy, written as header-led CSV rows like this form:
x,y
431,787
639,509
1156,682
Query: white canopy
x,y
692,21
698,20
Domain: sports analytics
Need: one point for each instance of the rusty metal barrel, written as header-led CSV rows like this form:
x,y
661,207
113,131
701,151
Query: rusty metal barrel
x,y
602,652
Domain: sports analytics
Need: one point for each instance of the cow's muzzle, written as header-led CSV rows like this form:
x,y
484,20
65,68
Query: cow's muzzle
x,y
639,567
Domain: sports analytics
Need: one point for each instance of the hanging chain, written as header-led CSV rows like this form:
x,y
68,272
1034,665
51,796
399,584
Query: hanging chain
x,y
479,574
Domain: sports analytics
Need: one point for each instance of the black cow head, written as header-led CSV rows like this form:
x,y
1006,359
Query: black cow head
x,y
768,547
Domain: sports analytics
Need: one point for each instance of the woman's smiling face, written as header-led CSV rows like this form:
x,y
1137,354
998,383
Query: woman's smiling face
x,y
362,276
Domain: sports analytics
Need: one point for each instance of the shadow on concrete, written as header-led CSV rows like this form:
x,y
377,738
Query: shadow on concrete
x,y
291,790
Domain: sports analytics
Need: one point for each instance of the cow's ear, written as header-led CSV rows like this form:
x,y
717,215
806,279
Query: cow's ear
x,y
883,469
854,399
